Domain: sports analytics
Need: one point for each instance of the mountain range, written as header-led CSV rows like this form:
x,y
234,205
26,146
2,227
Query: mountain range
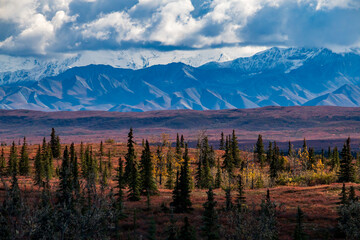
x,y
274,77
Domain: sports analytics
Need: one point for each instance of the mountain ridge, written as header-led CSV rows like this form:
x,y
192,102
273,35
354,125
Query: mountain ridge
x,y
279,77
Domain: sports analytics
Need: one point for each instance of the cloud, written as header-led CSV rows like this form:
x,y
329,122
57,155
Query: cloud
x,y
46,27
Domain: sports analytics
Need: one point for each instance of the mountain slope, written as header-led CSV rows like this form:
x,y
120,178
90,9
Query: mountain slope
x,y
280,77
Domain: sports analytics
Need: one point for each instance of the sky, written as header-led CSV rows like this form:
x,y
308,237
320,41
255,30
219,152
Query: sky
x,y
48,28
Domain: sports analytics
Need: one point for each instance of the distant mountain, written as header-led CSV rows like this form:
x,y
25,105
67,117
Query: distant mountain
x,y
279,77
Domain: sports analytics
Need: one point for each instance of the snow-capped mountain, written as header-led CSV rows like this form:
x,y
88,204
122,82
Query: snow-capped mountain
x,y
280,77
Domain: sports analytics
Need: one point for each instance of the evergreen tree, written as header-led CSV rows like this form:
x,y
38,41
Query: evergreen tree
x,y
170,174
347,171
218,175
160,164
269,154
101,150
182,142
65,182
13,162
109,164
2,162
222,142
228,199
290,149
228,162
241,200
235,150
24,168
74,169
181,194
130,157
206,157
304,146
39,168
120,185
134,181
312,161
47,159
148,183
55,144
259,151
178,152
152,230
352,195
343,196
171,232
299,233
187,232
267,220
275,165
210,228
335,160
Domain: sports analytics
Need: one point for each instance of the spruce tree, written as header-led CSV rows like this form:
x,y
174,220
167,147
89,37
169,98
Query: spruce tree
x,y
299,233
39,168
304,145
178,152
241,200
55,144
65,183
228,199
13,161
290,150
134,182
109,164
210,228
24,168
120,186
269,153
343,196
235,151
312,161
2,162
347,171
218,179
222,142
259,151
352,195
228,163
335,160
187,232
130,156
182,142
206,157
148,183
170,174
74,169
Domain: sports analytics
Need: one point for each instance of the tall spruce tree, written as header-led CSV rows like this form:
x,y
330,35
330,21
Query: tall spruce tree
x,y
13,161
290,150
120,186
24,168
130,156
235,150
147,179
269,153
259,151
65,183
206,158
222,142
312,161
39,168
241,200
74,169
218,179
334,159
55,144
346,171
228,163
182,142
210,228
170,174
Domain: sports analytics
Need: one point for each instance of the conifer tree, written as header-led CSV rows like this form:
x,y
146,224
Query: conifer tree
x,y
275,163
182,142
2,162
187,232
241,200
312,161
203,177
130,157
170,174
210,228
335,160
24,168
47,160
228,163
134,182
299,233
259,151
160,164
178,152
13,162
290,149
343,196
347,171
352,195
120,186
304,145
101,151
181,194
222,142
152,230
55,144
74,169
148,183
65,183
228,199
39,168
218,179
269,153
109,164
235,151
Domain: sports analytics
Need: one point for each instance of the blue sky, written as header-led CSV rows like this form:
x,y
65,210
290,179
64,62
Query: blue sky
x,y
51,27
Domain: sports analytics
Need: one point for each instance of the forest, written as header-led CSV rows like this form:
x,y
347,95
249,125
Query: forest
x,y
167,190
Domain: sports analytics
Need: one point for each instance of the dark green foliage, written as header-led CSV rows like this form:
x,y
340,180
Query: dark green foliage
x,y
55,144
13,161
182,142
352,195
206,161
187,232
210,228
120,186
24,168
269,153
222,142
346,171
218,179
312,161
74,169
2,162
160,166
334,159
241,200
299,233
131,170
39,168
170,174
181,194
152,230
171,231
228,162
290,150
343,196
349,220
275,163
65,182
147,179
304,146
268,220
234,146
109,164
259,151
228,199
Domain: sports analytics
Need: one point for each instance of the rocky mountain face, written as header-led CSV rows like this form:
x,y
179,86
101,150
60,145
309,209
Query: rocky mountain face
x,y
275,77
